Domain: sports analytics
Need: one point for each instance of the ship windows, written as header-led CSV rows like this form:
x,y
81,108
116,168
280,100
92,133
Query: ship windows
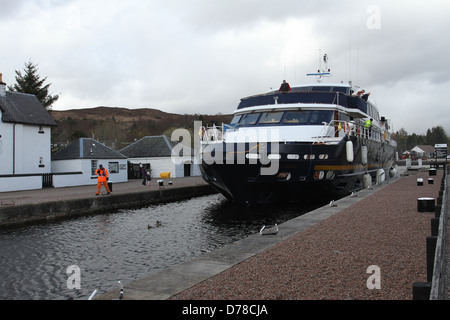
x,y
271,117
344,117
308,117
372,111
236,119
300,117
301,89
319,117
342,89
249,118
321,88
296,117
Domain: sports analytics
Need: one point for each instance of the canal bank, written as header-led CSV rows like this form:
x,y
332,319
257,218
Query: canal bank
x,y
368,246
56,203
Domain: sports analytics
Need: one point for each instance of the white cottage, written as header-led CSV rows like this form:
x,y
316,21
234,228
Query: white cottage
x,y
76,164
25,142
425,151
155,154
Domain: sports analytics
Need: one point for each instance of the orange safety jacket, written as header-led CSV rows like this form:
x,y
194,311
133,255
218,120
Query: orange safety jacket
x,y
102,174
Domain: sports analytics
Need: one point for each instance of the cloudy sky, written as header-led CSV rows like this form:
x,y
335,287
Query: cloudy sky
x,y
202,56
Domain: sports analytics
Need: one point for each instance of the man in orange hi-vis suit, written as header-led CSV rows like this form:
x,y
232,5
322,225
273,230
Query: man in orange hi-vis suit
x,y
103,176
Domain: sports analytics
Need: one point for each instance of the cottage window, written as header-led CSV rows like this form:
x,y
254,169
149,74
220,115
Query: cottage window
x,y
41,162
93,166
41,129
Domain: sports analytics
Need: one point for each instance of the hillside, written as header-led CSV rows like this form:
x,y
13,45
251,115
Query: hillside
x,y
118,127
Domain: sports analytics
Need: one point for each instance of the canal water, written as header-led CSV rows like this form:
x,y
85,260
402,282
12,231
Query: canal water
x,y
38,261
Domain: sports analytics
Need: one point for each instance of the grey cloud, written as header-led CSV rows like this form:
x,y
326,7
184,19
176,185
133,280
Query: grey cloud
x,y
203,56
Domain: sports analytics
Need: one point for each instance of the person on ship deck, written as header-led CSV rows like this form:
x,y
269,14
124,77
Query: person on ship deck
x,y
285,87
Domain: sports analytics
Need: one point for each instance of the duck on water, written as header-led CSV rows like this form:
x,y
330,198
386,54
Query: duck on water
x,y
313,140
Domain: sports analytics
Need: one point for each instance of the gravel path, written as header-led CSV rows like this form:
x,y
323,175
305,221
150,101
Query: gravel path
x,y
330,259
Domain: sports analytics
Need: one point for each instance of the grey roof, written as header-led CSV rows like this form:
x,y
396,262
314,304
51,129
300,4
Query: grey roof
x,y
426,148
87,148
149,147
24,108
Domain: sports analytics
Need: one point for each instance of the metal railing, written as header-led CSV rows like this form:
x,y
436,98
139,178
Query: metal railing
x,y
211,133
435,287
339,128
439,278
47,180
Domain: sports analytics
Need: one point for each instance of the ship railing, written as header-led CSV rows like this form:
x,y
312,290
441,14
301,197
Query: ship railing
x,y
331,131
337,129
212,133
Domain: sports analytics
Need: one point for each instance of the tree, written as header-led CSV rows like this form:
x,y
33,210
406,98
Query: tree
x,y
401,137
30,82
436,135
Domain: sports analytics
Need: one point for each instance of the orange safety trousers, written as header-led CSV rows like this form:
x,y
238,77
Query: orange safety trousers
x,y
99,186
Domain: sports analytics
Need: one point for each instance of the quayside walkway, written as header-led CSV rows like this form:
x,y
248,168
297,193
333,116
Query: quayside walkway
x,y
52,203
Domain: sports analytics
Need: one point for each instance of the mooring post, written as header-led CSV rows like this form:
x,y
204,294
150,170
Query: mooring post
x,y
421,290
437,211
431,250
434,227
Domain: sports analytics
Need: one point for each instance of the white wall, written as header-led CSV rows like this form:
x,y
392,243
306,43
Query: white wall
x,y
84,166
72,165
71,180
20,183
22,147
35,145
6,147
59,167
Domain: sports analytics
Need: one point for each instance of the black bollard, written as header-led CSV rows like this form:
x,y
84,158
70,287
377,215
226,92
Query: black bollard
x,y
437,211
421,290
434,227
425,204
431,250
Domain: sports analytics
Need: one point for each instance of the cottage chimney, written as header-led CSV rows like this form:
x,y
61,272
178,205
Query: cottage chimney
x,y
2,87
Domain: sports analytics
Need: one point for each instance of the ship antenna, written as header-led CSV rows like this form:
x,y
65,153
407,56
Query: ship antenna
x,y
322,72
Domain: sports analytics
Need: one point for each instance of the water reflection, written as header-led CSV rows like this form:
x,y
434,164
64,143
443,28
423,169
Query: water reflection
x,y
121,246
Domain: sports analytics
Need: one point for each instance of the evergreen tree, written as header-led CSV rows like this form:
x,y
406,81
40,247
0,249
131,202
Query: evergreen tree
x,y
436,135
30,82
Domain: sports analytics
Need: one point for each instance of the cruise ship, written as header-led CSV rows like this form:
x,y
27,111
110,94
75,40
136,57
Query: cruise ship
x,y
322,140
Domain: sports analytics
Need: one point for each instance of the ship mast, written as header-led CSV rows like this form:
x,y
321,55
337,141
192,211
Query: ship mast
x,y
322,72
